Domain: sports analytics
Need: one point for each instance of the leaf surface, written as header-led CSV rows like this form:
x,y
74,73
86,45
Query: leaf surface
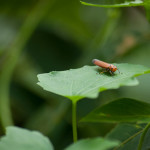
x,y
112,3
122,110
22,139
88,82
93,144
130,136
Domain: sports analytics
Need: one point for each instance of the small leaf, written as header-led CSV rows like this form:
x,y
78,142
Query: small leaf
x,y
113,3
22,139
122,110
87,81
93,144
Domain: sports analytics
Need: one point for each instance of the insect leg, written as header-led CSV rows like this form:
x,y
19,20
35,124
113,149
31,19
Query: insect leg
x,y
112,73
103,70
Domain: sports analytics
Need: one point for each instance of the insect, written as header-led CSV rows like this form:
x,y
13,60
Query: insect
x,y
108,67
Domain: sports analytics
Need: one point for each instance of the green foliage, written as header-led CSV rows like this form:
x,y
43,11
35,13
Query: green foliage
x,y
88,81
147,8
94,144
130,133
130,136
119,3
60,38
126,131
22,139
122,110
114,3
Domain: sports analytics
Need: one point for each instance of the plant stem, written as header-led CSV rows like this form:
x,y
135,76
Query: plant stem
x,y
74,121
28,27
143,136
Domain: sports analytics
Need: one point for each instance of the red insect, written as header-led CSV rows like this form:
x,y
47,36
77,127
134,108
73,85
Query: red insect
x,y
108,67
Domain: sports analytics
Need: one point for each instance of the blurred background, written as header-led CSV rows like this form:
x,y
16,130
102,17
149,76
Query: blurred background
x,y
39,36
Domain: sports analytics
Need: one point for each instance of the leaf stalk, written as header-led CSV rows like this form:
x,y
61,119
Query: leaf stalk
x,y
74,121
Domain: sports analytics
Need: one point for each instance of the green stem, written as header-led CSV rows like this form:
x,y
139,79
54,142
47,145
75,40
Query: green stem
x,y
12,57
143,136
74,121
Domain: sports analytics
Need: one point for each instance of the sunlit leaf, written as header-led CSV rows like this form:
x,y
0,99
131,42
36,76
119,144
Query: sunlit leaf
x,y
22,139
112,3
93,144
122,110
88,81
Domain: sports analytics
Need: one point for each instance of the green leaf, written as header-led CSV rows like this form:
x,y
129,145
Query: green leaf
x,y
122,110
93,144
22,139
147,8
113,3
130,135
88,82
125,130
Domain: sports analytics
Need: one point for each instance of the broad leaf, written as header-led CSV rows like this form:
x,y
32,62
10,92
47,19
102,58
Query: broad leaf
x,y
22,139
87,81
112,3
122,110
130,136
126,131
93,144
